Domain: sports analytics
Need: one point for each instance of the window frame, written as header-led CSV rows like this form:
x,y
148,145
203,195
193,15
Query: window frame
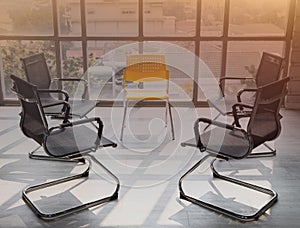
x,y
197,39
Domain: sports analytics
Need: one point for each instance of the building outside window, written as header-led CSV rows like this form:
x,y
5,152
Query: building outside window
x,y
229,36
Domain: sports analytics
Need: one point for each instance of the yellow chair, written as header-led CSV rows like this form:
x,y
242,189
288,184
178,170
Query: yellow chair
x,y
146,69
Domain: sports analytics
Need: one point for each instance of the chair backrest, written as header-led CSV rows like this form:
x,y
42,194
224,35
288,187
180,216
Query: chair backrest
x,y
33,122
145,68
264,124
269,69
37,71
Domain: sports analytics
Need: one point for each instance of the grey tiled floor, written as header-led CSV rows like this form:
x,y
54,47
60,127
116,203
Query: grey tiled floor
x,y
149,166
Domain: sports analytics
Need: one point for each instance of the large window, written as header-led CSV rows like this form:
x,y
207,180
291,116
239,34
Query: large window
x,y
258,18
170,18
26,17
91,38
111,18
212,17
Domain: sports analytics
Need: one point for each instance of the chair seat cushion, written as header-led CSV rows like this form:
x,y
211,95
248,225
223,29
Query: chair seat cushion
x,y
233,144
70,140
143,94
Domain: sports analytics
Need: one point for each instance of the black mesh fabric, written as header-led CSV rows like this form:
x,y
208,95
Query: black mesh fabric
x,y
70,140
264,124
59,142
37,73
226,142
269,69
32,123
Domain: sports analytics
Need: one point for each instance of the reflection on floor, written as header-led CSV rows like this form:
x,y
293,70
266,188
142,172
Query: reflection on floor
x,y
148,165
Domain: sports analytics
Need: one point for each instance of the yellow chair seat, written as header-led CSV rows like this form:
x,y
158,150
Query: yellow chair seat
x,y
142,94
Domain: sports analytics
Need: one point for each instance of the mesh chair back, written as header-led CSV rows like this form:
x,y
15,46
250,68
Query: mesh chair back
x,y
33,122
269,69
264,124
37,71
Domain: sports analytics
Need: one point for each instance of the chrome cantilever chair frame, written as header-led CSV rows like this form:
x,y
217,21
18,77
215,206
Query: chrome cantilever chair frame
x,y
230,213
68,211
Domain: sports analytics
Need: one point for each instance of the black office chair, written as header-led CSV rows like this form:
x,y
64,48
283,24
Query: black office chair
x,y
269,71
68,141
37,73
236,143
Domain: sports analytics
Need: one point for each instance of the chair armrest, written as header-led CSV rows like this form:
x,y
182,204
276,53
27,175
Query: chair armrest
x,y
74,80
55,91
81,121
221,79
236,112
234,78
210,122
71,79
84,121
240,92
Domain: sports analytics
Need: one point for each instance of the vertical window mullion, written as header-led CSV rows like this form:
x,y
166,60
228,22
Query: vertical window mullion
x,y
197,52
57,42
2,86
289,34
225,40
83,35
141,37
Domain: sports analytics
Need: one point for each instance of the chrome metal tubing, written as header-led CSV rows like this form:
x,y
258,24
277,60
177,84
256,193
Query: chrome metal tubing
x,y
71,210
224,211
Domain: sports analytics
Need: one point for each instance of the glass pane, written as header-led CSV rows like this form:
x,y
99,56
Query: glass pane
x,y
258,17
243,59
69,17
26,17
112,18
12,51
72,66
180,63
107,60
169,18
211,55
212,17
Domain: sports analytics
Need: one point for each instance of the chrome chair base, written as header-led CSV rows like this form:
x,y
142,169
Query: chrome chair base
x,y
224,211
84,174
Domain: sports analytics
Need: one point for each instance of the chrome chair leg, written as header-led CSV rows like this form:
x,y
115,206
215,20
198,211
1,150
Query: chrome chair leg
x,y
124,118
71,210
269,153
224,211
166,114
171,121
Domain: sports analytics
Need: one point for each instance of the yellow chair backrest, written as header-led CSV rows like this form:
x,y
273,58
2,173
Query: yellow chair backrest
x,y
145,68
